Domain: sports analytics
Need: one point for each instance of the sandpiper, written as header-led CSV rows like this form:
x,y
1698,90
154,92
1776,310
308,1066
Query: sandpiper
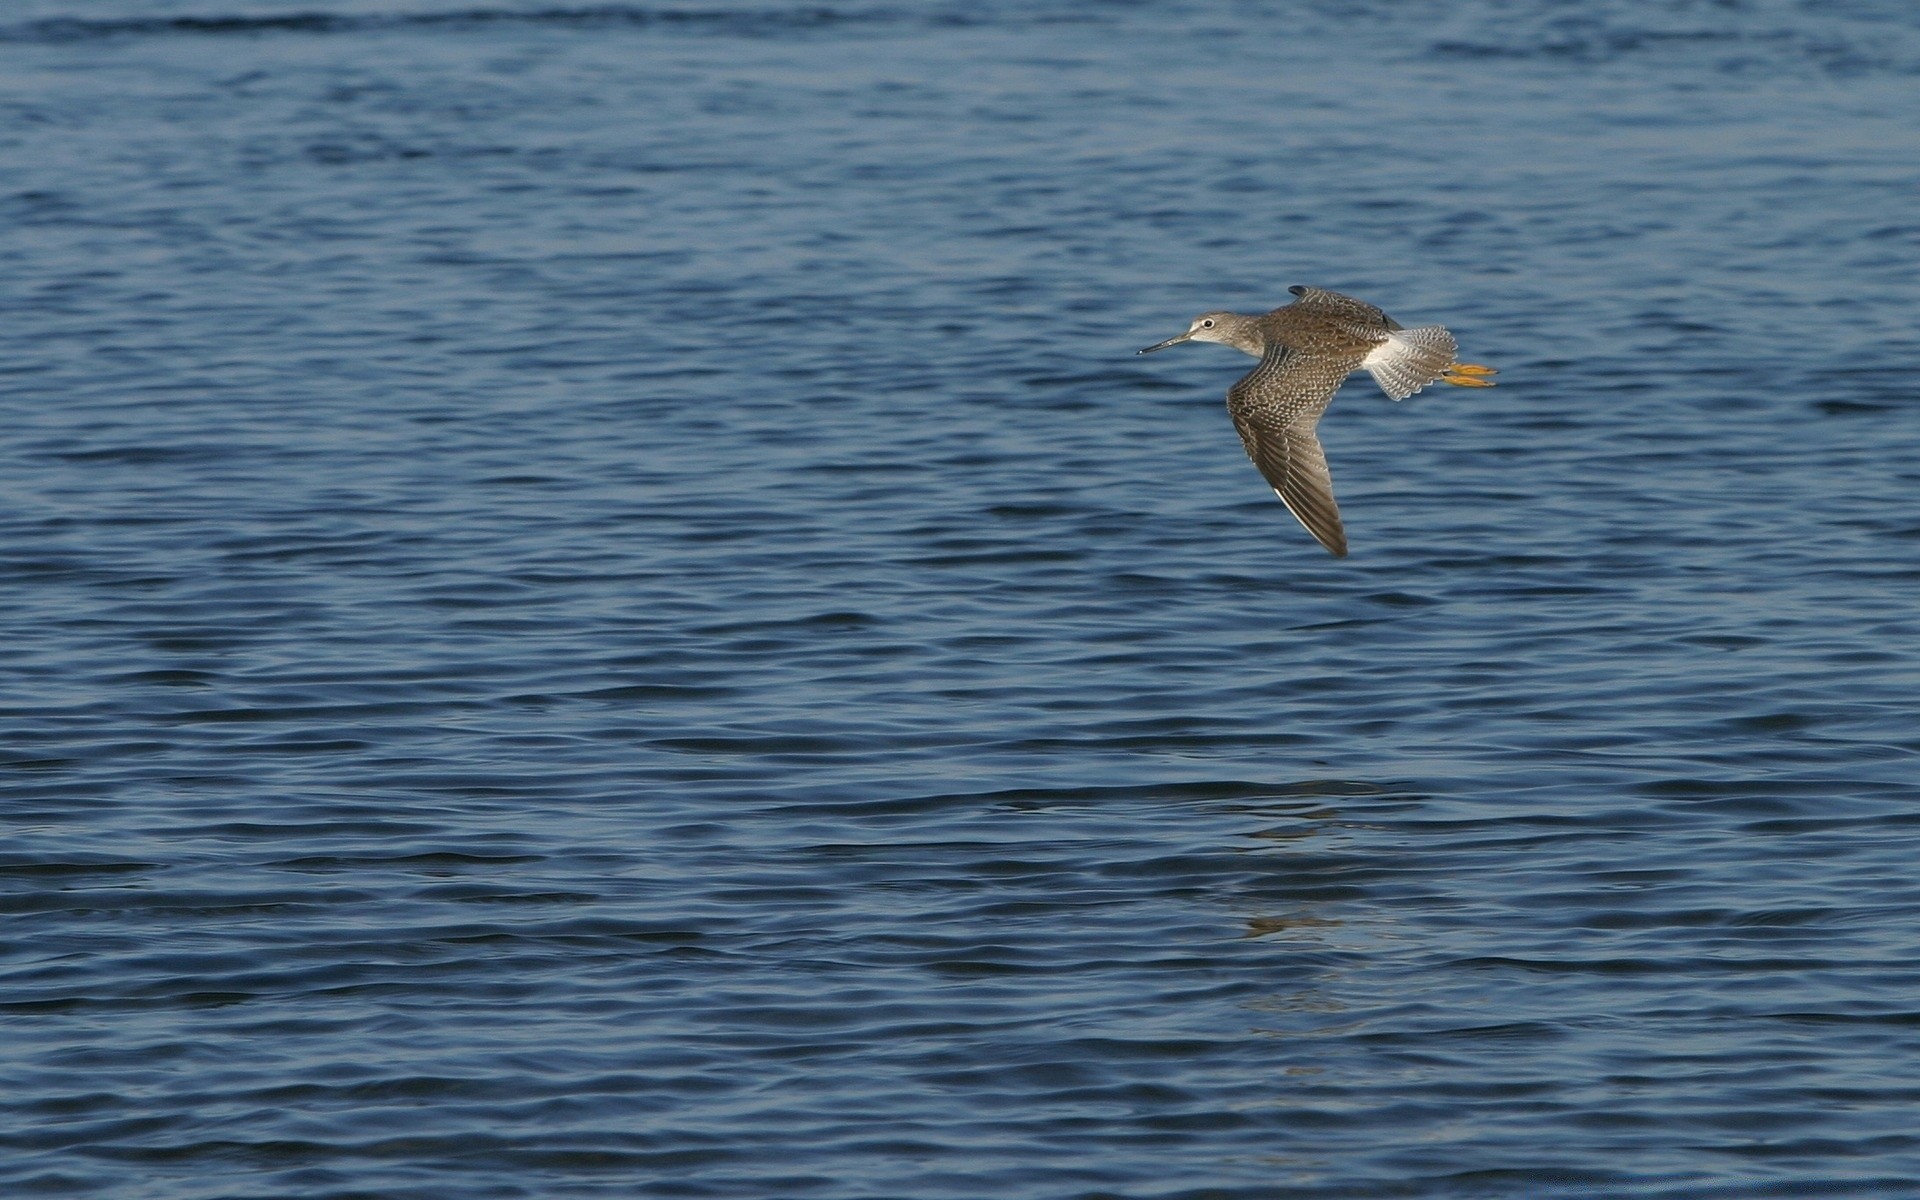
x,y
1306,350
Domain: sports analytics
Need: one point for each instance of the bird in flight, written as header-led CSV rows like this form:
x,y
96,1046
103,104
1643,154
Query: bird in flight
x,y
1306,350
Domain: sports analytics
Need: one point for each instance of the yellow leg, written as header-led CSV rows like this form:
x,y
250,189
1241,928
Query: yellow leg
x,y
1468,375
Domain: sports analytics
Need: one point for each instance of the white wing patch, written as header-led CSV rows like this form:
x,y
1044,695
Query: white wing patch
x,y
1410,359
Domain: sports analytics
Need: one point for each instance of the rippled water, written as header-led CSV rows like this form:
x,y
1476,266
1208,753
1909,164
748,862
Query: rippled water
x,y
598,605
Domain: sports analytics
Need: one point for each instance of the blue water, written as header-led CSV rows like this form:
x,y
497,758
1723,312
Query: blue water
x,y
597,604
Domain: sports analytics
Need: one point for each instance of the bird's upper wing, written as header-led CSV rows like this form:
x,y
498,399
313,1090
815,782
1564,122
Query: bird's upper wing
x,y
1344,307
1276,409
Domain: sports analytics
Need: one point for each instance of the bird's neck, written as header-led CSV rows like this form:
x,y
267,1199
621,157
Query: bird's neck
x,y
1246,336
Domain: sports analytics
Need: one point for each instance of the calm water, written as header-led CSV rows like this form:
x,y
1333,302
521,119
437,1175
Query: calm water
x,y
597,604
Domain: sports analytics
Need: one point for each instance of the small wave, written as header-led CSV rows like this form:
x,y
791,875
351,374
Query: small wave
x,y
746,21
1740,50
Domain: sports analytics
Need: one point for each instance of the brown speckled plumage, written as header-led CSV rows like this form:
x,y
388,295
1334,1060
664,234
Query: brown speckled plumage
x,y
1306,350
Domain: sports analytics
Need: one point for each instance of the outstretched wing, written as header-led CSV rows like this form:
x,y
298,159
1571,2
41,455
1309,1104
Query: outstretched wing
x,y
1342,307
1276,407
1291,459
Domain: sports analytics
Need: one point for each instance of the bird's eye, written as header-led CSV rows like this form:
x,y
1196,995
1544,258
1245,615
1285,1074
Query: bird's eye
x,y
1206,324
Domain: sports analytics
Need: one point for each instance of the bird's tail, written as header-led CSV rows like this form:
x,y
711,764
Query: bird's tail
x,y
1410,359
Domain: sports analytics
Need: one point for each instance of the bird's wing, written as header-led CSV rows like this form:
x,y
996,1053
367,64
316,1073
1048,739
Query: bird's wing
x,y
1291,459
1343,307
1276,409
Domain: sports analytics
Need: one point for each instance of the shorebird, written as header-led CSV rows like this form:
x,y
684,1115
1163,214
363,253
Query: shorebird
x,y
1306,351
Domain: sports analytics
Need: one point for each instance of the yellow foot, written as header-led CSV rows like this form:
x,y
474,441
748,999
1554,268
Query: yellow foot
x,y
1468,375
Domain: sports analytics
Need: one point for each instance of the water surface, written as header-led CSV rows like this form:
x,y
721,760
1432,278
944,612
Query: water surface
x,y
598,605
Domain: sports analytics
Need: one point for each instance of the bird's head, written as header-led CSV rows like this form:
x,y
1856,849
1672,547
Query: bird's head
x,y
1229,329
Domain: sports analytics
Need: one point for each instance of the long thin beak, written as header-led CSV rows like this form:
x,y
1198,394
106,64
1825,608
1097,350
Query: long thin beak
x,y
1172,341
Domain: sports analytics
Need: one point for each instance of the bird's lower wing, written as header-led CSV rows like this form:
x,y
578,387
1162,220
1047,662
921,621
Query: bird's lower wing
x,y
1290,458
